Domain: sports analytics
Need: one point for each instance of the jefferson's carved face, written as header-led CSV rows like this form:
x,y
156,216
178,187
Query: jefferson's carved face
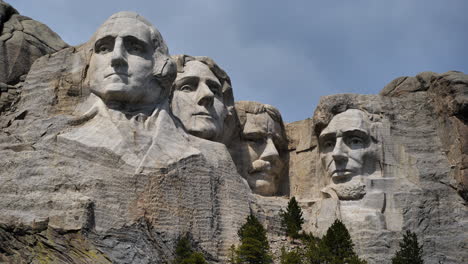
x,y
345,146
198,101
121,66
261,141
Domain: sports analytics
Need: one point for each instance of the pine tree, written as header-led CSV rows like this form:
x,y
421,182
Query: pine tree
x,y
291,257
194,258
337,247
316,252
232,255
254,247
338,240
185,254
292,219
410,251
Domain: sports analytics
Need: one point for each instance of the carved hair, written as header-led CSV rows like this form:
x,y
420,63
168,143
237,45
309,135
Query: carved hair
x,y
250,107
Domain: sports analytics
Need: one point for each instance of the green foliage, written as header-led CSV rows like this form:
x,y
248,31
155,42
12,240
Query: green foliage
x,y
336,247
410,251
317,253
254,247
232,258
338,241
292,219
185,254
291,257
194,258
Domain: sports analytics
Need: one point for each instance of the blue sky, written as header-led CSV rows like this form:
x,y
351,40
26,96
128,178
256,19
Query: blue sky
x,y
289,53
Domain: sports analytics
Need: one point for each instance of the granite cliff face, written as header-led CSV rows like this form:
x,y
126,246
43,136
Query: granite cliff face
x,y
100,162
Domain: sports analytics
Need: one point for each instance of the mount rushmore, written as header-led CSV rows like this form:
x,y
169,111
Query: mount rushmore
x,y
113,149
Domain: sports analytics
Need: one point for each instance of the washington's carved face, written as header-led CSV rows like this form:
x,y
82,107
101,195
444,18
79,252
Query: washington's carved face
x,y
261,141
198,101
345,146
121,66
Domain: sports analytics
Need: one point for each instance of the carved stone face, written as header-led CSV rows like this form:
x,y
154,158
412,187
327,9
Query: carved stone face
x,y
261,138
198,101
345,146
121,66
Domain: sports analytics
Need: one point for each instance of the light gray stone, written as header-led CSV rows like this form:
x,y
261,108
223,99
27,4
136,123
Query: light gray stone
x,y
83,157
261,153
22,41
413,171
201,98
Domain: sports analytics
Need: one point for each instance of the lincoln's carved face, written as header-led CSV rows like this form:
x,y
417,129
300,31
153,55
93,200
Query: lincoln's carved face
x,y
261,141
345,146
121,66
198,101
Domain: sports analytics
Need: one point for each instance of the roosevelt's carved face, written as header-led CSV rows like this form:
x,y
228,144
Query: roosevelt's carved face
x,y
121,66
261,141
345,146
198,101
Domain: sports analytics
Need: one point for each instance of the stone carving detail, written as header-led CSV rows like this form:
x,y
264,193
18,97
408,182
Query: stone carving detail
x,y
262,147
128,76
201,98
116,147
348,153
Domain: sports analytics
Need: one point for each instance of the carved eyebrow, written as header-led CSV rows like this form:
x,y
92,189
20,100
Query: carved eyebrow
x,y
135,39
186,80
327,135
105,39
356,131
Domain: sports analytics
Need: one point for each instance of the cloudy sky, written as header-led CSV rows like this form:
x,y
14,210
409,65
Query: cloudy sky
x,y
289,53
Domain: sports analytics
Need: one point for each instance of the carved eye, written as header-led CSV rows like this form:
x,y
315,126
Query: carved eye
x,y
215,90
355,142
187,88
135,48
104,48
255,139
328,144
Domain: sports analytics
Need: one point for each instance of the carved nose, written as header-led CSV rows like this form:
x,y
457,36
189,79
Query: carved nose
x,y
205,95
119,56
270,152
339,152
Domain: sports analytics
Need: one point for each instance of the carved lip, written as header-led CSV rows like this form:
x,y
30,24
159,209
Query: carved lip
x,y
202,114
341,172
117,73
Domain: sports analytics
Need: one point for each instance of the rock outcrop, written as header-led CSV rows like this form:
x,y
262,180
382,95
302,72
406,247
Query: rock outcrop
x,y
100,162
420,185
22,41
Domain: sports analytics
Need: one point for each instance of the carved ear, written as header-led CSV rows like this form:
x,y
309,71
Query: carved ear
x,y
165,71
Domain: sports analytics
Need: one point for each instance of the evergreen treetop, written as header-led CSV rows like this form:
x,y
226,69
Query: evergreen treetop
x,y
254,247
338,240
410,251
292,219
185,254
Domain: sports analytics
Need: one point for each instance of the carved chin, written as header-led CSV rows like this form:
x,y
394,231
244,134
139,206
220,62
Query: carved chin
x,y
350,190
263,183
264,187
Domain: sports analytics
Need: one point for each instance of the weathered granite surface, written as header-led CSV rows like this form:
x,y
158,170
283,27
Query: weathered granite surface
x,y
22,41
74,173
414,189
100,162
448,93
